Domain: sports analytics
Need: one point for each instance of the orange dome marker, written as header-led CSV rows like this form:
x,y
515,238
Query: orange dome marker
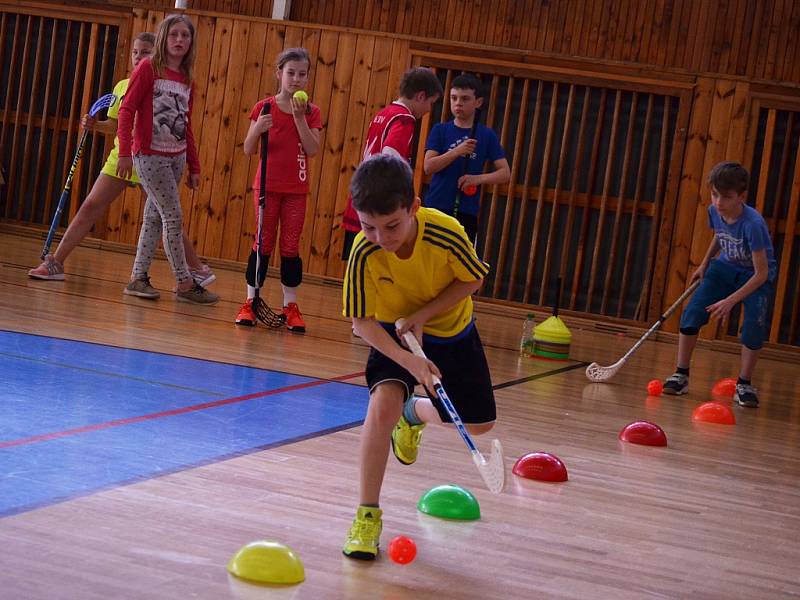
x,y
714,412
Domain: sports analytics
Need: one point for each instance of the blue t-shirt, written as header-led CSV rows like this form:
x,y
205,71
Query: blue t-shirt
x,y
444,184
739,240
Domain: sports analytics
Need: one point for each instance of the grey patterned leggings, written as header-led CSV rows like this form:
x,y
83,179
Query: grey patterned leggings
x,y
160,176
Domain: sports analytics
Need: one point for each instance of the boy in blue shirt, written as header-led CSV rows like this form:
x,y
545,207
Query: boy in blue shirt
x,y
744,271
456,159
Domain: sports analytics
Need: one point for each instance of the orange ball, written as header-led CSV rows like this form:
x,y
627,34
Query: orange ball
x,y
402,550
654,387
470,190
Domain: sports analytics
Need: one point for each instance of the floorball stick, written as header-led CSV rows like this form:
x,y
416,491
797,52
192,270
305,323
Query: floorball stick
x,y
492,470
597,373
100,104
260,308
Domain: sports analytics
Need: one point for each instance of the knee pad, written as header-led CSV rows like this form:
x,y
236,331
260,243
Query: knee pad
x,y
291,270
251,269
690,330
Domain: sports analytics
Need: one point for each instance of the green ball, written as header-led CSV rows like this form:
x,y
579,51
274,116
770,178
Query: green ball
x,y
301,96
450,502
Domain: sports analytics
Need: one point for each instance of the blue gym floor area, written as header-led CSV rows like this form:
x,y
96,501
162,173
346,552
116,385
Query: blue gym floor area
x,y
80,417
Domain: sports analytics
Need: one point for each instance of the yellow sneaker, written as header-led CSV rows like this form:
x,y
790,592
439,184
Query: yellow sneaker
x,y
405,440
364,535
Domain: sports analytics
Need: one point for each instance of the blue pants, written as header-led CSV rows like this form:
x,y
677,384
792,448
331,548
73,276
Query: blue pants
x,y
721,281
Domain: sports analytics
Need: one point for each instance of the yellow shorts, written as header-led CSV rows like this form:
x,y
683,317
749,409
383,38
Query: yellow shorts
x,y
110,168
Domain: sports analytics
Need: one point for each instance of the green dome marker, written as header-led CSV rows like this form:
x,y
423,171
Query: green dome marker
x,y
450,502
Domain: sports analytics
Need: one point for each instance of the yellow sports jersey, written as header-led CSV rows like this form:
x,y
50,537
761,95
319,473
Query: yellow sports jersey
x,y
379,284
110,167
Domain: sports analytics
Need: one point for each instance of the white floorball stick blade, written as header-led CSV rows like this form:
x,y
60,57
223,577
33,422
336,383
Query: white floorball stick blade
x,y
493,470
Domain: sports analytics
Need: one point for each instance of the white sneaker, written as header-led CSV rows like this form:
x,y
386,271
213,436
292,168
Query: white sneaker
x,y
203,277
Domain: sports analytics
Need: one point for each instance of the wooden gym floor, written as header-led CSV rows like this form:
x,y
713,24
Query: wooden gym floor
x,y
716,514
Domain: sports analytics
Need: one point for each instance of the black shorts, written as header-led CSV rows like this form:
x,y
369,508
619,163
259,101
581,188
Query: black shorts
x,y
465,375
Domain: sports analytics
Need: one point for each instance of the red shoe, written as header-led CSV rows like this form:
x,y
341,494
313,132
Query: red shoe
x,y
294,320
246,315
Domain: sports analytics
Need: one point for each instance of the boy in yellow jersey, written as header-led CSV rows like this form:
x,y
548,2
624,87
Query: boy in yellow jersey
x,y
413,263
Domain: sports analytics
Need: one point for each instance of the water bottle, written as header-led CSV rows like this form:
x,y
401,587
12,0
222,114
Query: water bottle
x,y
526,341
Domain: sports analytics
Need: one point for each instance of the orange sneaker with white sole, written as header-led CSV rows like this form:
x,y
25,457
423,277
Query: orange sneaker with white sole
x,y
294,320
246,315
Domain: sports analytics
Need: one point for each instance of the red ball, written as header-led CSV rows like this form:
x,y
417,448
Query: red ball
x,y
655,387
402,550
470,190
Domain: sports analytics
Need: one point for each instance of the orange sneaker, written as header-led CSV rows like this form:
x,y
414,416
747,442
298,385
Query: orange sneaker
x,y
246,315
294,320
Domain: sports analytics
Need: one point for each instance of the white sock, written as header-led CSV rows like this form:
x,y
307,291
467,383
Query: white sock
x,y
251,292
289,295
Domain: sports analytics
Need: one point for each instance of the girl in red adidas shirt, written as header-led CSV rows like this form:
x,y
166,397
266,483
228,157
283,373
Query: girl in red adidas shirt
x,y
160,95
293,126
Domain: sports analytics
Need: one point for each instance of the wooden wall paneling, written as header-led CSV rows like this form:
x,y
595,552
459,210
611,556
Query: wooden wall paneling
x,y
323,82
310,41
219,183
353,142
23,82
772,29
668,210
611,33
757,39
29,126
766,160
110,224
329,210
511,195
134,199
491,111
607,178
716,148
320,87
526,187
637,197
53,182
45,121
584,226
271,45
677,35
791,67
400,64
74,107
562,159
448,81
640,53
739,121
577,168
679,267
7,105
211,61
540,200
504,132
235,234
577,18
615,228
783,173
789,241
206,121
88,97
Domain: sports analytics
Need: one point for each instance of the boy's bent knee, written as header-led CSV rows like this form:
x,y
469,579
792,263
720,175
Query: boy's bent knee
x,y
479,428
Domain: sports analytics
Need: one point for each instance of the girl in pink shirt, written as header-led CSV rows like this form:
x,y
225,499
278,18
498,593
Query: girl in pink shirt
x,y
293,124
160,95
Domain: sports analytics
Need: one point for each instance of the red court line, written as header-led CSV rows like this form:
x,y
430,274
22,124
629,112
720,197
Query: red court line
x,y
175,411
